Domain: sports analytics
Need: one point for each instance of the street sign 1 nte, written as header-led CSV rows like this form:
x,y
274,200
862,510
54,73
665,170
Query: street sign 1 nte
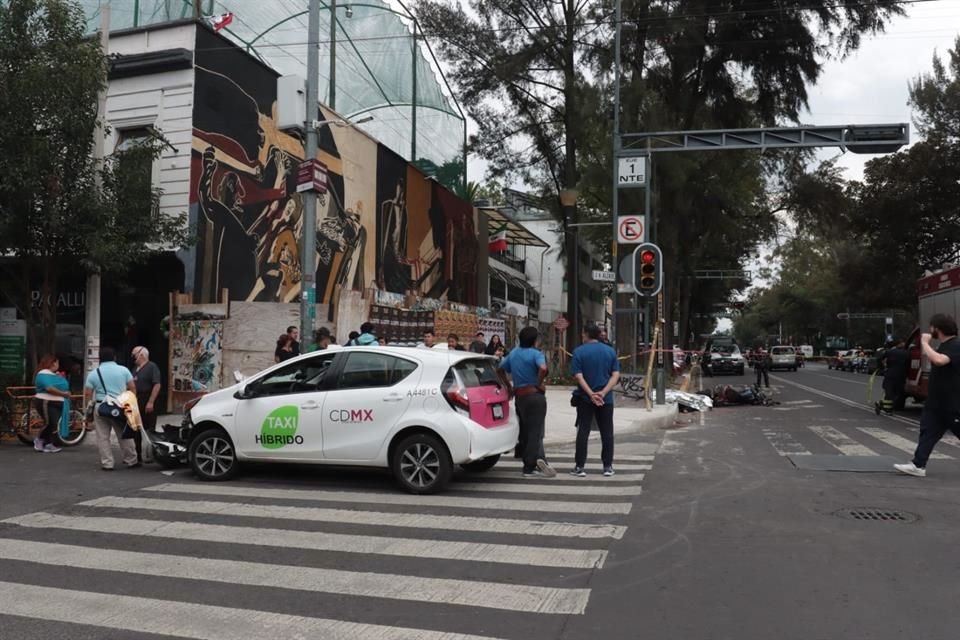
x,y
632,172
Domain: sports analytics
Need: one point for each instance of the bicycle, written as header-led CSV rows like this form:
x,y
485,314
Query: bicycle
x,y
19,417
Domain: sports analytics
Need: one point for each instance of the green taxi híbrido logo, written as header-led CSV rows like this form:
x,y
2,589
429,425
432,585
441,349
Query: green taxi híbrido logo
x,y
280,428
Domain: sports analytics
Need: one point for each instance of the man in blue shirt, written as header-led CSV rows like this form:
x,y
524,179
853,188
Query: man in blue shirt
x,y
528,368
597,371
110,379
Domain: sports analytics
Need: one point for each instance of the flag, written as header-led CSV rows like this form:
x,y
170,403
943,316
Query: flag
x,y
221,21
498,240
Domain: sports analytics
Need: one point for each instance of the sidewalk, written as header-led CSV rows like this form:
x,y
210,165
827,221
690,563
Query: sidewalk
x,y
628,417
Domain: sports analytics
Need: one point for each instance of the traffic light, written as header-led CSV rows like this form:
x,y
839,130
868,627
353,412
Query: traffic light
x,y
648,269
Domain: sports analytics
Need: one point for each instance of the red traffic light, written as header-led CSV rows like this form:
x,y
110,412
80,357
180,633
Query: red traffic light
x,y
647,257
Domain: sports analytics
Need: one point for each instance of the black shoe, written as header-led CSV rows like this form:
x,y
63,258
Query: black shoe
x,y
135,465
107,468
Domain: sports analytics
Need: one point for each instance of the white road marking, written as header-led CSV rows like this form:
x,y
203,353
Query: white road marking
x,y
551,455
569,490
190,620
491,595
563,476
320,541
798,401
847,445
784,443
897,442
378,518
393,497
566,465
849,403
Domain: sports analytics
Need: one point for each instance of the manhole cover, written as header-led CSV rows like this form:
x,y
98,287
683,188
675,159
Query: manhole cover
x,y
867,514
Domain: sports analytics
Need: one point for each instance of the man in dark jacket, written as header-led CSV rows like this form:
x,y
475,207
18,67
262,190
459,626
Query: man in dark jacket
x,y
896,364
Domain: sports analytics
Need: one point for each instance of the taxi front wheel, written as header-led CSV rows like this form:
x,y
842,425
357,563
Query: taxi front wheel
x,y
212,456
421,464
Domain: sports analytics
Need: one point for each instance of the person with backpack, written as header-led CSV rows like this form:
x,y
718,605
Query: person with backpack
x,y
108,381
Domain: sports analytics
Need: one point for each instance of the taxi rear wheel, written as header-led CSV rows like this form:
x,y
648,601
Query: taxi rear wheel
x,y
212,456
421,463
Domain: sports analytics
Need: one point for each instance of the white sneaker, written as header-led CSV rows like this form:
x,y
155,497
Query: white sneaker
x,y
37,444
51,448
608,472
546,469
911,470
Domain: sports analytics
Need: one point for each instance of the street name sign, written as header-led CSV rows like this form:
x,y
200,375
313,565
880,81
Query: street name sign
x,y
604,276
312,176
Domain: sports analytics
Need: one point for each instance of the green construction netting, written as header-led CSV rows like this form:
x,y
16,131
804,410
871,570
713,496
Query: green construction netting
x,y
382,69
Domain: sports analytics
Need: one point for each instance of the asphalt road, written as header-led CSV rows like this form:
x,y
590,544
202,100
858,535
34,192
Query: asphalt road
x,y
732,536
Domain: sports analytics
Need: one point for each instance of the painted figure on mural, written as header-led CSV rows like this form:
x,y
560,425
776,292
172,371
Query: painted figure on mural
x,y
394,267
233,244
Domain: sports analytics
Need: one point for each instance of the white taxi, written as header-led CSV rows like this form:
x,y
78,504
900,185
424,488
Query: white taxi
x,y
416,411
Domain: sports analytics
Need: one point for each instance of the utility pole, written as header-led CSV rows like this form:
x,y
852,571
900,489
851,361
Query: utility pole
x,y
92,299
614,245
333,53
308,252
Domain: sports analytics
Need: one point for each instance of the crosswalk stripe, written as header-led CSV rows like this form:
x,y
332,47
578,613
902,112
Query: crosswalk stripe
x,y
556,455
190,620
897,442
563,476
492,595
355,497
584,490
321,541
383,519
784,443
564,465
847,445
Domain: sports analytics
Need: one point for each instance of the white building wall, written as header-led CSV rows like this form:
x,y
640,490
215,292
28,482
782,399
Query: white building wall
x,y
163,101
549,282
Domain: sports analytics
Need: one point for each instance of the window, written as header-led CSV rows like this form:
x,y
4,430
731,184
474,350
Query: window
x,y
135,168
477,373
515,294
365,369
498,288
296,377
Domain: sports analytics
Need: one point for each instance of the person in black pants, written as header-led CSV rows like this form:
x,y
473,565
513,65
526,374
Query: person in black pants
x,y
597,371
941,410
762,368
528,368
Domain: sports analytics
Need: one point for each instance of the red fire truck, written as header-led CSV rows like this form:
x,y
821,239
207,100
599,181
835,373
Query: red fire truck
x,y
938,292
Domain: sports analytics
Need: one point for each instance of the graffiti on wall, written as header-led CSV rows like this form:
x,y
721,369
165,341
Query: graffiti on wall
x,y
381,221
196,348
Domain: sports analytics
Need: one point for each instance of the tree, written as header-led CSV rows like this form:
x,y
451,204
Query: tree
x,y
60,210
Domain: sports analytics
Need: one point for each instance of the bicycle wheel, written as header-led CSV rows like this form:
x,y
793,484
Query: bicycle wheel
x,y
30,426
78,430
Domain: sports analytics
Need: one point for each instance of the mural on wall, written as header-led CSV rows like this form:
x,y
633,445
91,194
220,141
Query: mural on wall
x,y
380,222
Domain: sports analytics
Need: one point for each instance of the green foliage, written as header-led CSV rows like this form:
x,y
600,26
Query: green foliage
x,y
60,210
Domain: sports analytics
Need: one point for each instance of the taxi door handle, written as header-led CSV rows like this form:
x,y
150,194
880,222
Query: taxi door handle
x,y
307,406
393,397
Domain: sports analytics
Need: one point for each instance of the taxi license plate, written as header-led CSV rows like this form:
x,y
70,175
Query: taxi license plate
x,y
498,412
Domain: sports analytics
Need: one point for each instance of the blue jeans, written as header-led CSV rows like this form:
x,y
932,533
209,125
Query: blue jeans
x,y
933,425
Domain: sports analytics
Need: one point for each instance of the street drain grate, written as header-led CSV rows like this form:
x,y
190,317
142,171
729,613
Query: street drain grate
x,y
877,515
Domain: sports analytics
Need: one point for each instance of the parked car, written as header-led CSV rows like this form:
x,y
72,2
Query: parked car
x,y
726,358
415,411
783,358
